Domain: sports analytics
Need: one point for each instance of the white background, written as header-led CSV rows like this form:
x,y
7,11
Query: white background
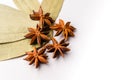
x,y
95,53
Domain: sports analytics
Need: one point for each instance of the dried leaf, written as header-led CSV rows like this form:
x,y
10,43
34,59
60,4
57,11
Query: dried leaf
x,y
13,24
27,5
52,6
14,49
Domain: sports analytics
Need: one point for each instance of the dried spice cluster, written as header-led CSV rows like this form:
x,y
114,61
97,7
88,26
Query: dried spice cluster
x,y
39,35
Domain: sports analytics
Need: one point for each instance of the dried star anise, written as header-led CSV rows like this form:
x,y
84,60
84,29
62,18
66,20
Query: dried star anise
x,y
58,48
43,18
66,29
37,57
37,35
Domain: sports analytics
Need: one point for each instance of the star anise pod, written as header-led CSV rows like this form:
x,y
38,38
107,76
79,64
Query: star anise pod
x,y
37,35
58,48
43,18
66,29
37,57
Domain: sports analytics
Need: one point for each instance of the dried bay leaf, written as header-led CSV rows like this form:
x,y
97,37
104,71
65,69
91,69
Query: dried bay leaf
x,y
18,48
52,6
13,27
14,49
27,5
6,38
13,24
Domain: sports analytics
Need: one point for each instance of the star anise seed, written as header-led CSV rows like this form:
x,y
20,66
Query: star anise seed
x,y
37,57
43,18
37,35
66,29
58,48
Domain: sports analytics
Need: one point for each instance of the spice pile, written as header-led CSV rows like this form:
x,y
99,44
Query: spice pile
x,y
41,36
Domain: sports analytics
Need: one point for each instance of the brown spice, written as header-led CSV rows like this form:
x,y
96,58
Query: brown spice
x,y
58,48
37,57
39,16
37,35
66,29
